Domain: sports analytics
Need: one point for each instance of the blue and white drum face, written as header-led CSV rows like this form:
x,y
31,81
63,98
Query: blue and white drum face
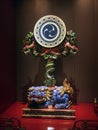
x,y
49,31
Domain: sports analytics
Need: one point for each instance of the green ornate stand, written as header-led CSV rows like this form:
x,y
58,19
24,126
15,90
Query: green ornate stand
x,y
50,40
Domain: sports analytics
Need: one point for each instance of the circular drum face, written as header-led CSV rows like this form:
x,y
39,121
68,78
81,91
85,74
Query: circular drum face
x,y
49,31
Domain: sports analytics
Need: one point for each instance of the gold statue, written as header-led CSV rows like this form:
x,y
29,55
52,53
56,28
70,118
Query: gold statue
x,y
66,88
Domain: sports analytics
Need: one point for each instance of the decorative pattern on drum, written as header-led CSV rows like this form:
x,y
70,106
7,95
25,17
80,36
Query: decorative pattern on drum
x,y
49,31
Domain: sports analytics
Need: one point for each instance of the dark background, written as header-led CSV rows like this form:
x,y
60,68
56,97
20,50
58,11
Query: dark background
x,y
19,71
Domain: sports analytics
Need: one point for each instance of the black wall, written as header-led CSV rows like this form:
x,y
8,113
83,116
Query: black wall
x,y
7,54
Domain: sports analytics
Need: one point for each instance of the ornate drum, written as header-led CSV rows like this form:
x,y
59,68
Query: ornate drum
x,y
49,31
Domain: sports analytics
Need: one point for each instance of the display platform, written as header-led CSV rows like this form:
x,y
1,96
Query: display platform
x,y
84,111
49,113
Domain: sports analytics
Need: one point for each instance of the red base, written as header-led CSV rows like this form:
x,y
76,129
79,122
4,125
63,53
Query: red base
x,y
84,111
